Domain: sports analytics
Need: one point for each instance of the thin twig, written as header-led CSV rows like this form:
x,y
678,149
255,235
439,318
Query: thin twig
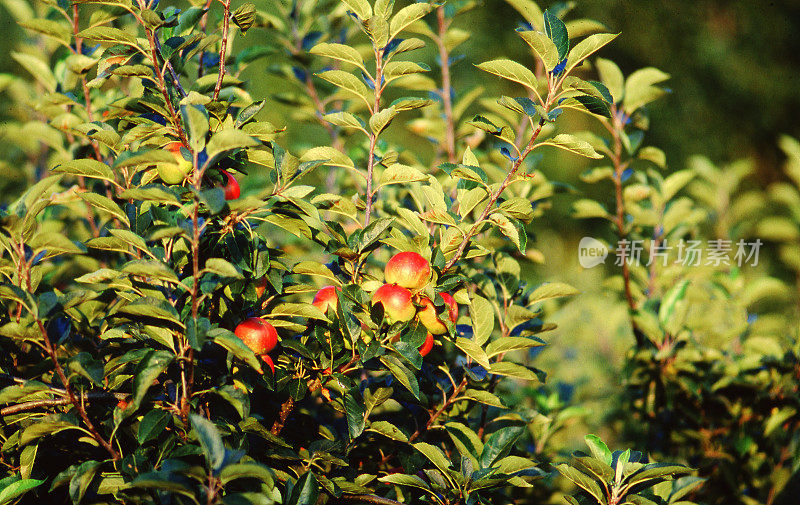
x,y
447,97
378,83
223,48
493,199
35,404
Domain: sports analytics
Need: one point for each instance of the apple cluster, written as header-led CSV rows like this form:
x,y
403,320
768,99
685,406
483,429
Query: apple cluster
x,y
406,274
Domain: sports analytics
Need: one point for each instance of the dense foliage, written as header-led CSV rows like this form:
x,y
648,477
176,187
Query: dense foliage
x,y
133,256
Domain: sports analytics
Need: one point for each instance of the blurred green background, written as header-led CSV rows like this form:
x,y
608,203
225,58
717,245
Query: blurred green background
x,y
734,64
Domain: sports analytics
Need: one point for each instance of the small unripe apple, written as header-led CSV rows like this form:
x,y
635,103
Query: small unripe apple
x,y
268,360
429,318
396,301
426,346
408,269
261,286
257,334
232,189
174,173
326,297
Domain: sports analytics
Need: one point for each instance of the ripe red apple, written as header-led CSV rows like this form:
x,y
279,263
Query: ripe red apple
x,y
396,303
426,346
408,269
257,334
268,361
232,189
429,318
326,297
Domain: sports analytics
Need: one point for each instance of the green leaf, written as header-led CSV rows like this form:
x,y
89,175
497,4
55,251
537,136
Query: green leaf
x,y
586,208
108,35
656,471
147,371
228,140
105,204
599,449
529,10
360,8
586,48
402,374
435,455
542,46
339,52
233,344
223,268
355,412
378,122
86,168
346,120
195,117
400,479
499,444
482,315
305,491
401,174
551,290
17,489
473,350
152,425
612,77
506,344
641,89
347,82
670,300
571,144
516,371
210,441
484,397
557,31
388,430
406,16
250,470
581,480
331,156
511,70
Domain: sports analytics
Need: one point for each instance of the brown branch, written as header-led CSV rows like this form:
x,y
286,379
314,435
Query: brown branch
x,y
286,409
493,199
619,219
77,403
447,98
449,401
223,48
162,86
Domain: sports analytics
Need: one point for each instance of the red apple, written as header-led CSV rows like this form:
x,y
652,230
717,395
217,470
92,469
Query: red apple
x,y
426,346
257,334
122,405
429,318
325,298
268,361
408,269
396,301
232,189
